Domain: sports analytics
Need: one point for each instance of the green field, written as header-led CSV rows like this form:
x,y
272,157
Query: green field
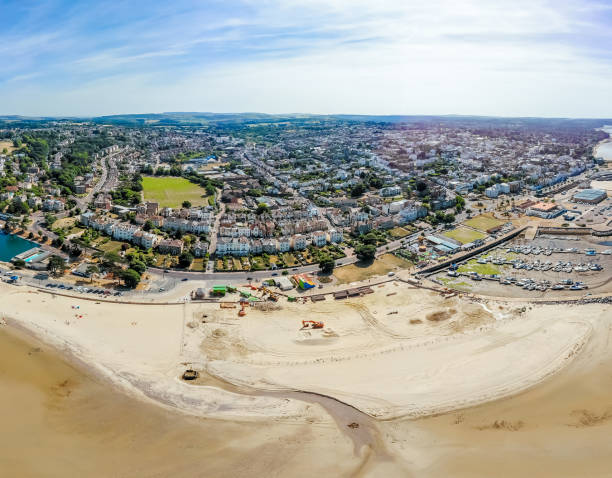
x,y
484,269
483,223
171,192
398,232
464,235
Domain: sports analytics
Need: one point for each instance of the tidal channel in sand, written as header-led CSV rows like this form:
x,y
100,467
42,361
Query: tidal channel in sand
x,y
58,421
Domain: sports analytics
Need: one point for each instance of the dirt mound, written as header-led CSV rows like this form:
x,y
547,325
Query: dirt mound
x,y
440,315
218,333
503,425
586,418
266,306
416,321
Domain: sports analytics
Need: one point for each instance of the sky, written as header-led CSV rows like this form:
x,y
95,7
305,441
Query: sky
x,y
484,57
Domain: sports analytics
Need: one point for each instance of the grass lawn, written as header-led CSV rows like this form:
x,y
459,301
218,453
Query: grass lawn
x,y
8,145
289,259
66,222
483,222
381,266
165,260
464,235
171,192
452,283
398,232
483,269
198,264
111,246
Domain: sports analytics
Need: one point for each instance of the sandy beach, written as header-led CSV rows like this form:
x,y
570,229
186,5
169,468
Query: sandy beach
x,y
385,361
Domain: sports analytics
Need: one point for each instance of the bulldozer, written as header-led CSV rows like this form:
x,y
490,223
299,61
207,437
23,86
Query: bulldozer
x,y
312,324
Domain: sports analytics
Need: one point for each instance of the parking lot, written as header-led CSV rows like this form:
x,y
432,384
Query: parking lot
x,y
546,266
82,290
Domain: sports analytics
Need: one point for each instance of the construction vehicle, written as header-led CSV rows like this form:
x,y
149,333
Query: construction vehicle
x,y
312,324
242,311
271,295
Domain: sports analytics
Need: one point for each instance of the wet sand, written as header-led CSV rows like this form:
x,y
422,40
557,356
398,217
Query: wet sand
x,y
60,420
561,428
57,421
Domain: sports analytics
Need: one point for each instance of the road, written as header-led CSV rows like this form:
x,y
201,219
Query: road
x,y
108,179
215,229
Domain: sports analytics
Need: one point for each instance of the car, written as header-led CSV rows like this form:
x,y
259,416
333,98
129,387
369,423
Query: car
x,y
184,279
69,287
294,269
166,270
274,273
249,278
161,289
49,285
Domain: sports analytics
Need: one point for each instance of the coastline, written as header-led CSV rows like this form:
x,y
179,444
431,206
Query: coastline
x,y
605,144
164,389
50,407
142,374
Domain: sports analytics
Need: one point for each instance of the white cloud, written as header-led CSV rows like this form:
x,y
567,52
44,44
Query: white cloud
x,y
354,56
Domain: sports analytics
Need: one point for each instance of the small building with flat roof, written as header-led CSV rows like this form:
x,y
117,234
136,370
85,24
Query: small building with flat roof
x,y
590,196
545,210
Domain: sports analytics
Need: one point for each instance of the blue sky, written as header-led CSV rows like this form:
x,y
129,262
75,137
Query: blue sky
x,y
491,57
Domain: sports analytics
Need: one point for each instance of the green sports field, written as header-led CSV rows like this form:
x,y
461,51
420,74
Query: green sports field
x,y
483,223
171,192
464,235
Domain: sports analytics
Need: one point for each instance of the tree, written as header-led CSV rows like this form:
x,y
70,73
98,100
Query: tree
x,y
49,220
365,252
357,190
185,259
19,263
11,223
76,251
186,204
91,271
327,264
131,278
56,265
369,238
261,208
138,266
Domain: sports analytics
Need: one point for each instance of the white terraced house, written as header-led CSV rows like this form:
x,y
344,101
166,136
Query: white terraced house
x,y
319,239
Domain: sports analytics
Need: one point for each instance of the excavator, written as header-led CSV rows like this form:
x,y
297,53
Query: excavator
x,y
271,295
242,311
312,324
